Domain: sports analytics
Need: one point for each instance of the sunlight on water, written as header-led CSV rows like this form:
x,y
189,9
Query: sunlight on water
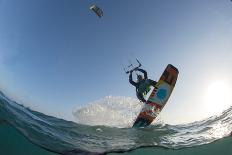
x,y
219,130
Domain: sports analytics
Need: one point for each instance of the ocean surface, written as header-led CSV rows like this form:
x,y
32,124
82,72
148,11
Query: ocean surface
x,y
27,132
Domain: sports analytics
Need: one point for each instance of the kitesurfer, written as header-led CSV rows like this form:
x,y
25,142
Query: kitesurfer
x,y
142,84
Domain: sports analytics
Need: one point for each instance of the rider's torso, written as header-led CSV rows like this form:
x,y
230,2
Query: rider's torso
x,y
143,86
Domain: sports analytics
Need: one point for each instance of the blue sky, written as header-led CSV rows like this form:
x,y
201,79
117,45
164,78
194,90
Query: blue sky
x,y
56,54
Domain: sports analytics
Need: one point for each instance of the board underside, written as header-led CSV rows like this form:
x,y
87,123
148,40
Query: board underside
x,y
158,98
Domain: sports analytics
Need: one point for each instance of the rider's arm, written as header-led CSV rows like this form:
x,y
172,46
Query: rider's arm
x,y
144,72
131,80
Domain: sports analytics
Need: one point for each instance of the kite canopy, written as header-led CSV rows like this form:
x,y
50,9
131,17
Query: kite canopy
x,y
97,10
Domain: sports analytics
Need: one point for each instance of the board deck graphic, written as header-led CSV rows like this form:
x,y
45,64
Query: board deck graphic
x,y
158,98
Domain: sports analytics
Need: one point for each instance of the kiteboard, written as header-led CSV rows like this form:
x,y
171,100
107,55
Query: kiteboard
x,y
158,97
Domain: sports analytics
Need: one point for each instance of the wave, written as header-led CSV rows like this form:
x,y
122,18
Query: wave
x,y
66,137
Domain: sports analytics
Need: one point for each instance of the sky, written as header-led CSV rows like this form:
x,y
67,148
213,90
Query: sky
x,y
56,54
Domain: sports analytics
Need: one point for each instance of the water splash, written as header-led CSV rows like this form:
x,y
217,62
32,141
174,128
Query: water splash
x,y
109,111
113,111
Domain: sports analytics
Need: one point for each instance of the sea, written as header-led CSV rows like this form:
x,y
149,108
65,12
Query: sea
x,y
24,131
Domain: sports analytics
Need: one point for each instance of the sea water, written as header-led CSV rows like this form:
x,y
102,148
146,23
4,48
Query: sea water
x,y
24,131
